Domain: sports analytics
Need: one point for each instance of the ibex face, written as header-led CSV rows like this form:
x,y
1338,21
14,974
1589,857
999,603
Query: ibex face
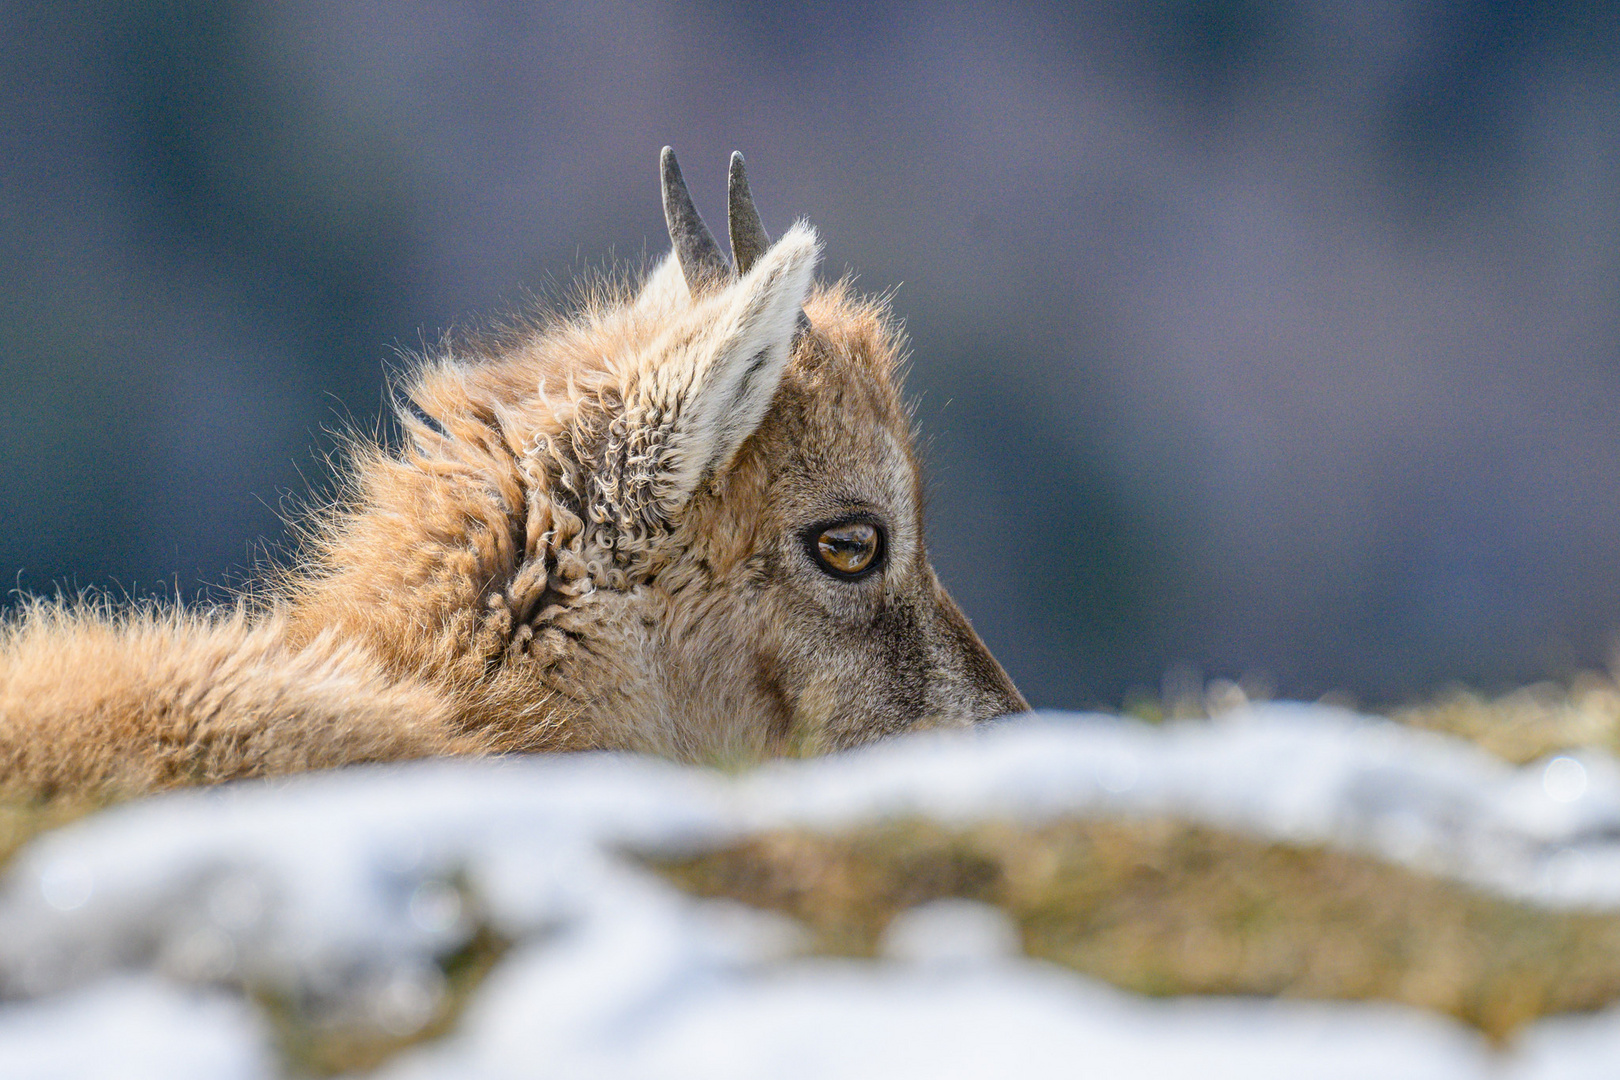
x,y
801,606
791,600
687,521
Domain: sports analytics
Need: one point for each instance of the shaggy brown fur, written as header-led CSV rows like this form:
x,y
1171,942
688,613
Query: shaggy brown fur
x,y
598,534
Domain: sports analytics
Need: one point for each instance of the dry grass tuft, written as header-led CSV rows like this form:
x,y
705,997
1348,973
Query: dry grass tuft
x,y
1519,726
1169,908
1530,722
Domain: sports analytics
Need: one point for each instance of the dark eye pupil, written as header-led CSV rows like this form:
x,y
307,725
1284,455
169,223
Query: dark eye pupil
x,y
848,549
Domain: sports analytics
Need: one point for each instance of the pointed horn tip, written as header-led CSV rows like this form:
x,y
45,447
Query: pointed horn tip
x,y
749,240
695,248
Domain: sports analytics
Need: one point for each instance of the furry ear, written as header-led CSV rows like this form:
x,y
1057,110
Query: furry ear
x,y
664,291
713,384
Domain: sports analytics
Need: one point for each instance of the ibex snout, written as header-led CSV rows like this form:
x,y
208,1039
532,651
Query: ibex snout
x,y
970,686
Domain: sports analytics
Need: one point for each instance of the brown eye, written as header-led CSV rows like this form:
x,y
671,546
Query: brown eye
x,y
848,550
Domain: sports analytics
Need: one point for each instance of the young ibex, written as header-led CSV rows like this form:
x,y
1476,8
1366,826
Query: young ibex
x,y
685,519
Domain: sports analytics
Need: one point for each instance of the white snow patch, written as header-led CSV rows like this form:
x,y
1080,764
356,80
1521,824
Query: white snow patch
x,y
860,1021
134,1029
951,933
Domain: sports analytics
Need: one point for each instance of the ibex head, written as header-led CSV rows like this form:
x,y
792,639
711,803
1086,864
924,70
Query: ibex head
x,y
685,519
688,520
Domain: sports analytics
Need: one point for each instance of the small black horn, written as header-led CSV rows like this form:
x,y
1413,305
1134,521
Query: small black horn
x,y
702,262
749,240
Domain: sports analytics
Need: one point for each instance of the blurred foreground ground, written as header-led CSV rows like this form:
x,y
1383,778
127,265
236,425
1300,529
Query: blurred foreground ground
x,y
1281,890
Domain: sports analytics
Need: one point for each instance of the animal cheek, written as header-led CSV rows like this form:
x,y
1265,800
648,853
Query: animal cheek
x,y
762,570
874,681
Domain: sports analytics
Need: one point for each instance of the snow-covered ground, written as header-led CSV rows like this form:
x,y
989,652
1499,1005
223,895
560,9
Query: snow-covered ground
x,y
116,933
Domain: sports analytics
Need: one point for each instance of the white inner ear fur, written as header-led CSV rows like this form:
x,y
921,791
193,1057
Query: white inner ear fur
x,y
664,292
721,380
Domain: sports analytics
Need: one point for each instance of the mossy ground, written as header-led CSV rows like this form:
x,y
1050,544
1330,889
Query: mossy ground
x,y
1164,907
312,1044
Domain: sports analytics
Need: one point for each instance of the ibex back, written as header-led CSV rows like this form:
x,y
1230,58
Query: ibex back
x,y
686,518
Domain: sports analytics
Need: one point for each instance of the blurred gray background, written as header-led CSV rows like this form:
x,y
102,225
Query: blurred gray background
x,y
1266,337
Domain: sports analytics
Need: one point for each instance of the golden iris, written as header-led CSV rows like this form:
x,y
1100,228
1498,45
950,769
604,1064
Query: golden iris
x,y
849,548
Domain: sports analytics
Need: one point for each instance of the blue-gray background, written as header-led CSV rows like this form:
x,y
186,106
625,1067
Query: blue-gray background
x,y
1259,336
